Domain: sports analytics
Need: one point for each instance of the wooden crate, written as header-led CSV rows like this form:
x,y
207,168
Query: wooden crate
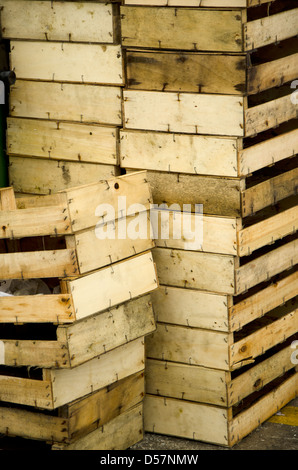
x,y
215,126
52,388
54,238
47,345
177,28
216,424
69,423
69,70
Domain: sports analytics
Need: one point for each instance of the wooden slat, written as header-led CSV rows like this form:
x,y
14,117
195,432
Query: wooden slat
x,y
186,382
263,409
263,339
124,239
44,176
267,152
7,199
196,270
118,283
271,74
62,21
62,140
257,377
183,112
99,408
185,419
192,308
186,72
268,30
23,423
270,114
120,433
68,101
263,301
190,3
192,346
194,232
37,353
115,327
266,266
219,196
34,222
188,29
37,309
58,62
267,231
269,192
121,362
23,391
180,153
121,193
38,264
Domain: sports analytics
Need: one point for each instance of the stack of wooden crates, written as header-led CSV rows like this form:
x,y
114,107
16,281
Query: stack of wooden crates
x,y
65,107
210,110
72,360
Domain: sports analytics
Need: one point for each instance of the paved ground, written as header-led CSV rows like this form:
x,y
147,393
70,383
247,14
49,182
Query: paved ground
x,y
282,435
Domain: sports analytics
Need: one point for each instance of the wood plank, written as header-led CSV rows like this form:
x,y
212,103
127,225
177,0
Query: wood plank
x,y
79,417
219,196
184,112
186,382
269,192
189,307
121,362
17,422
189,231
99,408
186,72
198,3
260,375
271,74
263,301
270,114
113,242
115,327
267,152
37,353
120,433
118,283
37,309
100,64
192,346
182,28
23,391
263,339
190,3
120,192
69,101
266,266
34,222
180,153
263,409
7,199
62,140
44,176
185,419
63,21
195,270
38,264
267,231
271,29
